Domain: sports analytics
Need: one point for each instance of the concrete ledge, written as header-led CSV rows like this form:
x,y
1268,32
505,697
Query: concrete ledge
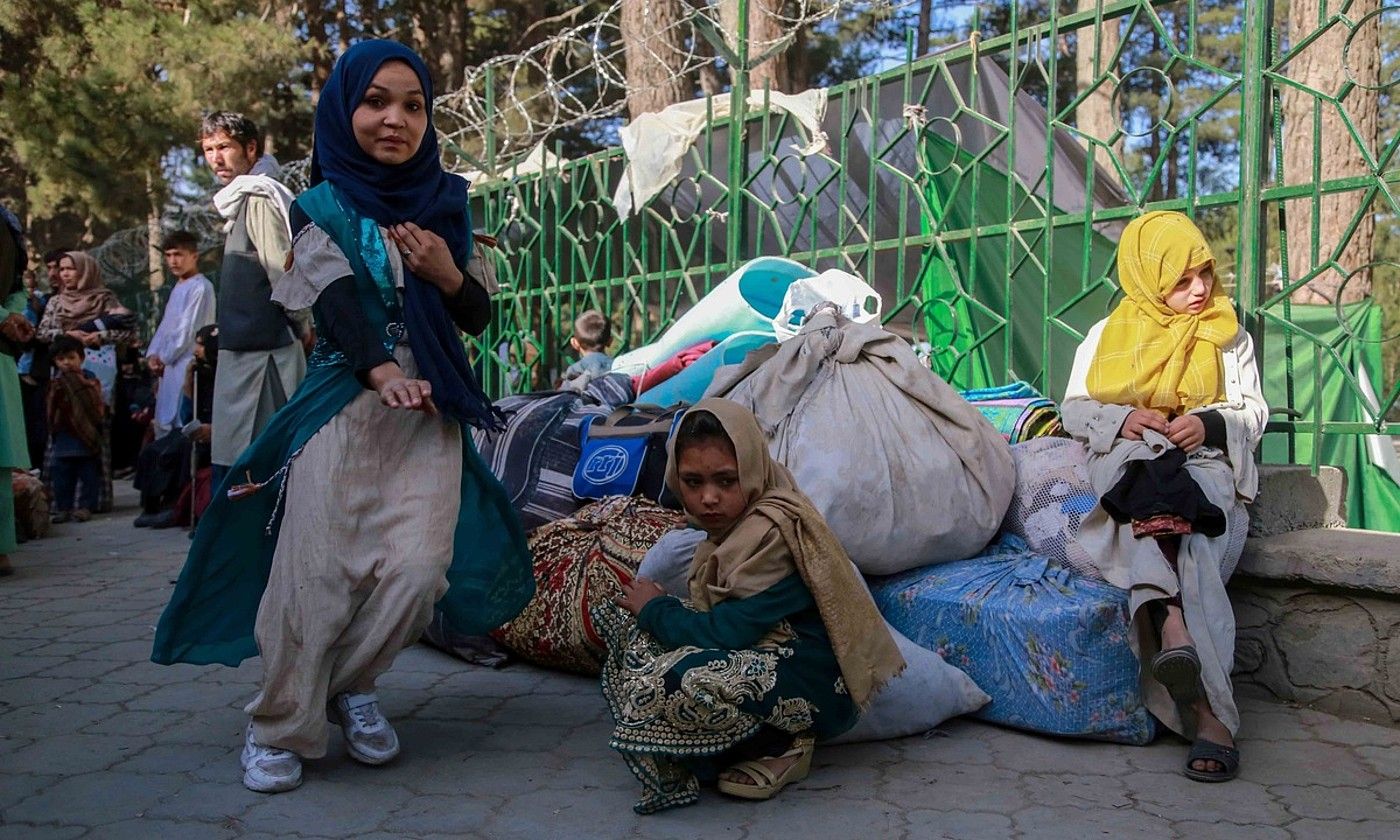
x,y
1291,498
1343,558
1317,621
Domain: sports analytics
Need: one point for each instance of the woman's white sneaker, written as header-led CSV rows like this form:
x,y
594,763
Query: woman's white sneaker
x,y
269,769
368,736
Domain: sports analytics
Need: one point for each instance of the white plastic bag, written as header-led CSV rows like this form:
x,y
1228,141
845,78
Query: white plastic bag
x,y
856,299
927,692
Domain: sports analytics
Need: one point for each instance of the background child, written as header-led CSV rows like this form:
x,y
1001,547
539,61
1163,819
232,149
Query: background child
x,y
132,409
190,307
166,466
1166,395
75,413
592,335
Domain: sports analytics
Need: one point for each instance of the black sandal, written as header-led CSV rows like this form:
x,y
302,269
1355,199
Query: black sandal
x,y
1203,750
1179,671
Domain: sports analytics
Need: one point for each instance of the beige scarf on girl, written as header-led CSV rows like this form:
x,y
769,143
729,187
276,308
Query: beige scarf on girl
x,y
779,533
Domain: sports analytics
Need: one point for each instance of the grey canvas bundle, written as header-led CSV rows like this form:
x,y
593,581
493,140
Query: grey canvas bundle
x,y
904,470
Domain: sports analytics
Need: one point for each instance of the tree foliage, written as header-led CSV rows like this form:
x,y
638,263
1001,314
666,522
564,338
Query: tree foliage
x,y
94,94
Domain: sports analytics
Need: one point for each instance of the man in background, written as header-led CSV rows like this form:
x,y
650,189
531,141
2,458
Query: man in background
x,y
261,355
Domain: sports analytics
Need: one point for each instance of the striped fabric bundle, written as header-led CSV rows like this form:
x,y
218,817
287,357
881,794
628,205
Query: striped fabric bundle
x,y
535,455
1017,410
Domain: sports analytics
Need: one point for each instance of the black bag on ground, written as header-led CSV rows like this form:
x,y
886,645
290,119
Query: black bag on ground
x,y
534,457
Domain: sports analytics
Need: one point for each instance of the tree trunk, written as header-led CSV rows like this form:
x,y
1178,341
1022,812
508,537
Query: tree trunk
x,y
654,50
1094,116
765,29
369,19
926,23
342,27
1321,67
155,275
322,58
1159,189
709,80
417,32
450,57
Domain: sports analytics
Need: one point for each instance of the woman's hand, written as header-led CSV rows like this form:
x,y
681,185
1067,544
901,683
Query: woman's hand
x,y
638,594
1139,421
16,328
398,391
89,339
428,256
1188,432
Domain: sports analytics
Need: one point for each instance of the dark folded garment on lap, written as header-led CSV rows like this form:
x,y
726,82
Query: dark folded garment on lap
x,y
1162,487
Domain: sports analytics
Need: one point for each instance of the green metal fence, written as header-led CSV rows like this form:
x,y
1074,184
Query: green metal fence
x,y
960,185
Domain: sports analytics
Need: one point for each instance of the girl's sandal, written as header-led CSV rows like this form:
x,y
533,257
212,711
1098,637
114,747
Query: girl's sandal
x,y
1179,671
769,783
1227,757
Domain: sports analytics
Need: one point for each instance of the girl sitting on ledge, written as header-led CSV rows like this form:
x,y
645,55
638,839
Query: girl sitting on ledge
x,y
1166,396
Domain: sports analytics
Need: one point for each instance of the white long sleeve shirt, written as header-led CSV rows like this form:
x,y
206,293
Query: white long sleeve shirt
x,y
191,307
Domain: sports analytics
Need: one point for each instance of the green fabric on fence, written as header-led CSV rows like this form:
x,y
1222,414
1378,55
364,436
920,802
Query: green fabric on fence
x,y
946,313
1373,497
966,192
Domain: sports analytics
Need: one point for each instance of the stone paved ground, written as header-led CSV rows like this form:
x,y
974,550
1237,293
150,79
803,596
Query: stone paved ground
x,y
97,742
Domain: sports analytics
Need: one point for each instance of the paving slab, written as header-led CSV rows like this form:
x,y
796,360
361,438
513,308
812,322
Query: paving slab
x,y
97,742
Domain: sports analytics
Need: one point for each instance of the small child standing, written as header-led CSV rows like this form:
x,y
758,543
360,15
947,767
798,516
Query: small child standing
x,y
592,335
1165,393
75,414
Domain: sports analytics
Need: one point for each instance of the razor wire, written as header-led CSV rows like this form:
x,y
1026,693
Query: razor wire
x,y
508,105
572,78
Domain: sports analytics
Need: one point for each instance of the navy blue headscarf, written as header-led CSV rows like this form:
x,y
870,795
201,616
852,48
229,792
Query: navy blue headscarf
x,y
417,191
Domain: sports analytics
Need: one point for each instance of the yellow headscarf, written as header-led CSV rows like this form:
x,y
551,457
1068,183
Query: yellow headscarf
x,y
1149,355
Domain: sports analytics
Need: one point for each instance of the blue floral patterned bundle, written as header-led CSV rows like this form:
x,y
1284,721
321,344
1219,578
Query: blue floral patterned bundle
x,y
1050,647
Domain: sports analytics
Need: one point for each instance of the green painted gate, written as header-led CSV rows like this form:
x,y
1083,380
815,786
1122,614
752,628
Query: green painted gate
x,y
960,185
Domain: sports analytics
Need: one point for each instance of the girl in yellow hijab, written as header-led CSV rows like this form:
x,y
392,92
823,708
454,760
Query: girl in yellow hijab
x,y
1166,397
778,644
1160,349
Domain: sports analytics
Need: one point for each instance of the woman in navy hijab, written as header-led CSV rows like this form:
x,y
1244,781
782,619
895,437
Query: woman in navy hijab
x,y
364,502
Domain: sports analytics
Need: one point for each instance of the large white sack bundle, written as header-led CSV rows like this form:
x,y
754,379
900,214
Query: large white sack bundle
x,y
906,471
927,692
